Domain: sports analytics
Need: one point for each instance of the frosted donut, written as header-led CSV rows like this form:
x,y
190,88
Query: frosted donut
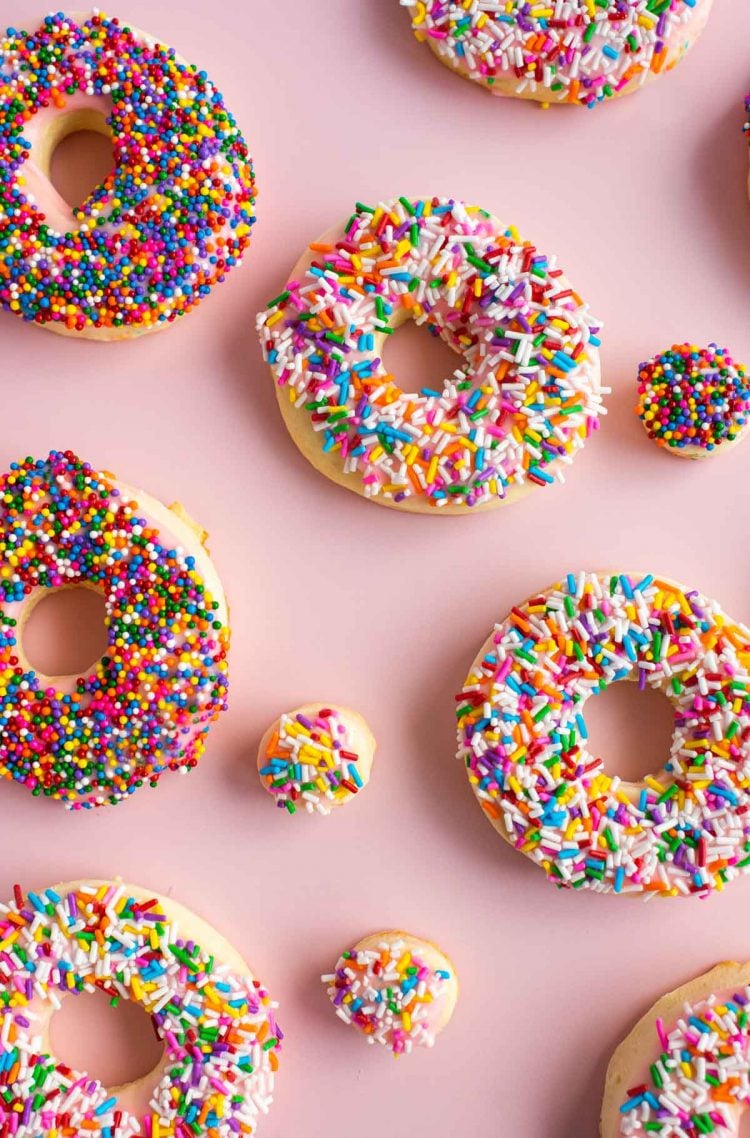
x,y
217,1023
316,757
522,736
395,988
521,405
684,1069
147,705
169,221
694,402
564,51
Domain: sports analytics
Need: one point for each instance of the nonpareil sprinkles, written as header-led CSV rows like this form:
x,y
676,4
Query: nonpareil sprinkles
x,y
169,222
523,739
218,1027
580,51
693,397
388,993
310,764
149,701
521,405
700,1077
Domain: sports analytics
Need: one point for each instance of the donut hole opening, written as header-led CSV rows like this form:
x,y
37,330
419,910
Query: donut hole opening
x,y
418,359
65,634
743,1129
114,1044
630,730
80,162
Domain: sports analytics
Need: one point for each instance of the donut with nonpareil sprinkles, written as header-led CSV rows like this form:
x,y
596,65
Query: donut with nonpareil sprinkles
x,y
694,402
523,739
147,704
215,1020
398,990
316,757
165,226
684,1069
561,51
522,402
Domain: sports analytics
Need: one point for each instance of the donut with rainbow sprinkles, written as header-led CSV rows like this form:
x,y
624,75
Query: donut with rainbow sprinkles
x,y
523,739
684,1069
146,706
583,52
169,222
216,1021
526,393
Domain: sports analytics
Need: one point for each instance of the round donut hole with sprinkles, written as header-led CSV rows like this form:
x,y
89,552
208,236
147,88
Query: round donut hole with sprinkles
x,y
694,402
395,988
523,738
316,758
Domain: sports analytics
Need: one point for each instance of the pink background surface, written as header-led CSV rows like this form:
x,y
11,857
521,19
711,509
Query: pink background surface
x,y
644,202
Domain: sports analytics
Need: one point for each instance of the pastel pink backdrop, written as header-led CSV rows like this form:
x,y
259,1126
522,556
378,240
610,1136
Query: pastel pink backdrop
x,y
644,201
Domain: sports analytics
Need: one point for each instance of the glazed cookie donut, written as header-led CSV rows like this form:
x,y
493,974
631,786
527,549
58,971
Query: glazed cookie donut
x,y
521,405
169,221
397,989
522,736
217,1023
694,402
564,51
684,1069
148,703
316,757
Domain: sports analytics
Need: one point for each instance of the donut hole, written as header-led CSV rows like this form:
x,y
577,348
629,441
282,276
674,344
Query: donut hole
x,y
743,1129
81,155
65,634
114,1044
417,358
631,730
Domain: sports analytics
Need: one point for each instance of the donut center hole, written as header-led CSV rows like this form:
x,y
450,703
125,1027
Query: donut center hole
x,y
80,162
631,730
113,1044
743,1130
418,359
66,634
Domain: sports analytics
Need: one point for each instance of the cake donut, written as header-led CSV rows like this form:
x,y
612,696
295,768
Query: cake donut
x,y
147,704
527,391
694,402
215,1020
316,757
684,1069
164,227
396,989
523,739
565,51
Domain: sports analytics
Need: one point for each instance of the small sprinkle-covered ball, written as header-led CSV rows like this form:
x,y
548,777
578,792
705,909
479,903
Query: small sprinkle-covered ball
x,y
693,401
316,757
395,988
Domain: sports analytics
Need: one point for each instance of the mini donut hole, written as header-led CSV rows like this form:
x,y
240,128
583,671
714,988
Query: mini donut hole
x,y
743,1126
116,1045
64,634
417,358
630,730
79,154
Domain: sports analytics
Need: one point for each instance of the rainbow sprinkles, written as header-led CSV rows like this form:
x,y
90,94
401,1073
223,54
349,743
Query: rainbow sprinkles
x,y
574,51
523,739
218,1027
522,403
171,220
